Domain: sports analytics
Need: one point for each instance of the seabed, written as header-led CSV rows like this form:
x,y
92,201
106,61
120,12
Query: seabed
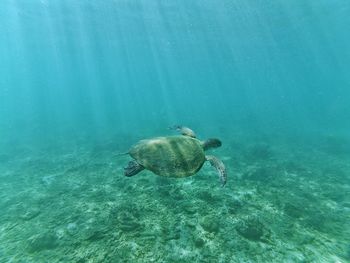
x,y
283,202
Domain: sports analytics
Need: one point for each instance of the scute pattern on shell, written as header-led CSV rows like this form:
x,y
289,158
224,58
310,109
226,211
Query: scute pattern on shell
x,y
172,156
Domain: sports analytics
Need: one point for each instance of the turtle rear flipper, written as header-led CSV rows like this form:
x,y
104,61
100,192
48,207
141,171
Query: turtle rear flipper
x,y
133,168
219,166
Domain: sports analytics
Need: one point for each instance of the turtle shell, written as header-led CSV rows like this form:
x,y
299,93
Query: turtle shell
x,y
172,156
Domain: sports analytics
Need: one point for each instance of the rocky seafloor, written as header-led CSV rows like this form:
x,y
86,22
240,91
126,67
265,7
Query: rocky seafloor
x,y
284,202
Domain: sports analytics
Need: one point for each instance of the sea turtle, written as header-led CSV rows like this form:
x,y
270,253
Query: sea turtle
x,y
174,156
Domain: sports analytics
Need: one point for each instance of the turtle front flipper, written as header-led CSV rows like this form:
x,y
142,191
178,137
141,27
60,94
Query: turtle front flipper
x,y
183,130
219,166
133,168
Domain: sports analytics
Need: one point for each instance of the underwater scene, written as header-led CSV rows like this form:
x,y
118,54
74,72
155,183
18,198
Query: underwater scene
x,y
174,131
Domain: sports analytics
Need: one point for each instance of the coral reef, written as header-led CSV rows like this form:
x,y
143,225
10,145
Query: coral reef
x,y
76,206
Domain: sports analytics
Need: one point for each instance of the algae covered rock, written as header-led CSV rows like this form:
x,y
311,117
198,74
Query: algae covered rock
x,y
199,242
72,229
252,229
30,214
128,221
234,205
42,241
295,211
210,224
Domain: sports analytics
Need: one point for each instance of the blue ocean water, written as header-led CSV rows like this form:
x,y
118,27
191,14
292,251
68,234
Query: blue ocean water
x,y
82,81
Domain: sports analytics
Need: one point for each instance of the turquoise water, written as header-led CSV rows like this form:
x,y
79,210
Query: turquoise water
x,y
82,81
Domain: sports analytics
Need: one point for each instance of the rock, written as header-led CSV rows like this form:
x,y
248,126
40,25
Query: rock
x,y
317,221
72,229
48,179
41,242
129,226
198,242
95,234
190,209
191,224
234,205
30,214
128,221
173,234
251,229
293,210
306,238
210,224
148,237
208,197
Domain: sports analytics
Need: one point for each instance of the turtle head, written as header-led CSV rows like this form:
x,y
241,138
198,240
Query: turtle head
x,y
211,143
